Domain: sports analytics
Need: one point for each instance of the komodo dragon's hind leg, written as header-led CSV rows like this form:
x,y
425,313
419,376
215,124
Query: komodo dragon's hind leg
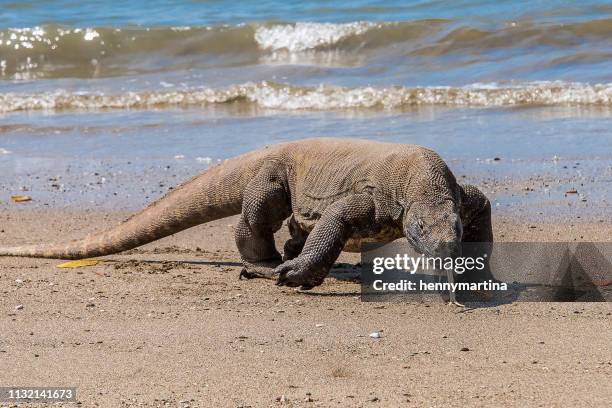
x,y
294,245
264,207
338,223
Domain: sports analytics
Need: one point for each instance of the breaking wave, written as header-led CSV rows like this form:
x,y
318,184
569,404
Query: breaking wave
x,y
287,97
56,51
306,36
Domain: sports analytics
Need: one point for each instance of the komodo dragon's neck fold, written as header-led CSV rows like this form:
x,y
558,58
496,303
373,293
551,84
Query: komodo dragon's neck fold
x,y
214,194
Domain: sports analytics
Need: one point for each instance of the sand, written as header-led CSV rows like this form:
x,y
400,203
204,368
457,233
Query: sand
x,y
170,324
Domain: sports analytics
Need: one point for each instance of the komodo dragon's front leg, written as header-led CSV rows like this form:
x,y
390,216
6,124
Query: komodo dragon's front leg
x,y
337,224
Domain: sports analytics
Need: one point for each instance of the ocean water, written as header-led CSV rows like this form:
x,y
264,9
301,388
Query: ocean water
x,y
313,55
526,81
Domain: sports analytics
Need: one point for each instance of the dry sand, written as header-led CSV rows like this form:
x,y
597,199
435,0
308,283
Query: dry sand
x,y
171,325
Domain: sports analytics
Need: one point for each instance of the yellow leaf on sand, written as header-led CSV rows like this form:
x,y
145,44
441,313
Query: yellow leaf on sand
x,y
79,264
20,198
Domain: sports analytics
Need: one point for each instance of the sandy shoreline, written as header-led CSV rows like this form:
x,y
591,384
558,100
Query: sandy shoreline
x,y
104,109
171,324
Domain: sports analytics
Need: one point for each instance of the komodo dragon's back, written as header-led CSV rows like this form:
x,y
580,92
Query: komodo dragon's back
x,y
325,170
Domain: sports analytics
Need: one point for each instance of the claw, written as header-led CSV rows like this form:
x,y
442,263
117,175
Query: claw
x,y
245,274
281,270
294,274
286,282
284,279
284,267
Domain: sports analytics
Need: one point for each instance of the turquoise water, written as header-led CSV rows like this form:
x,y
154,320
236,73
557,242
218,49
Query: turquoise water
x,y
157,45
211,12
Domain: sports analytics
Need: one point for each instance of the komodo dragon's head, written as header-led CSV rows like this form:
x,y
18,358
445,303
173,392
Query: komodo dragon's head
x,y
434,229
431,208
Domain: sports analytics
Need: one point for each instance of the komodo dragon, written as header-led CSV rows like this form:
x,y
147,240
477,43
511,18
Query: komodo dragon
x,y
337,194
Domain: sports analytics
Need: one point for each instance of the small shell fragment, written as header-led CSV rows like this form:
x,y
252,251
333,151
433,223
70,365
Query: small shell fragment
x,y
79,264
20,198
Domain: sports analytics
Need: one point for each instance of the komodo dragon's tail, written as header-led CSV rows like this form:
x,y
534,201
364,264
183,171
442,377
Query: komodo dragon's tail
x,y
214,194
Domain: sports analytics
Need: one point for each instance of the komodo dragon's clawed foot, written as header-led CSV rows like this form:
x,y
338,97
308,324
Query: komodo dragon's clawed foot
x,y
296,273
265,270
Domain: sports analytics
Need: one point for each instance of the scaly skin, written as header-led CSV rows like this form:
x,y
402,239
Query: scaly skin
x,y
337,194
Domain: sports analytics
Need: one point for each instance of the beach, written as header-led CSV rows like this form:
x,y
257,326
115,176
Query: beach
x,y
104,110
170,324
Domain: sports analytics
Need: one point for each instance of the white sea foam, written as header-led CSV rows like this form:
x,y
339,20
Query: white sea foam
x,y
305,36
206,160
324,97
90,34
